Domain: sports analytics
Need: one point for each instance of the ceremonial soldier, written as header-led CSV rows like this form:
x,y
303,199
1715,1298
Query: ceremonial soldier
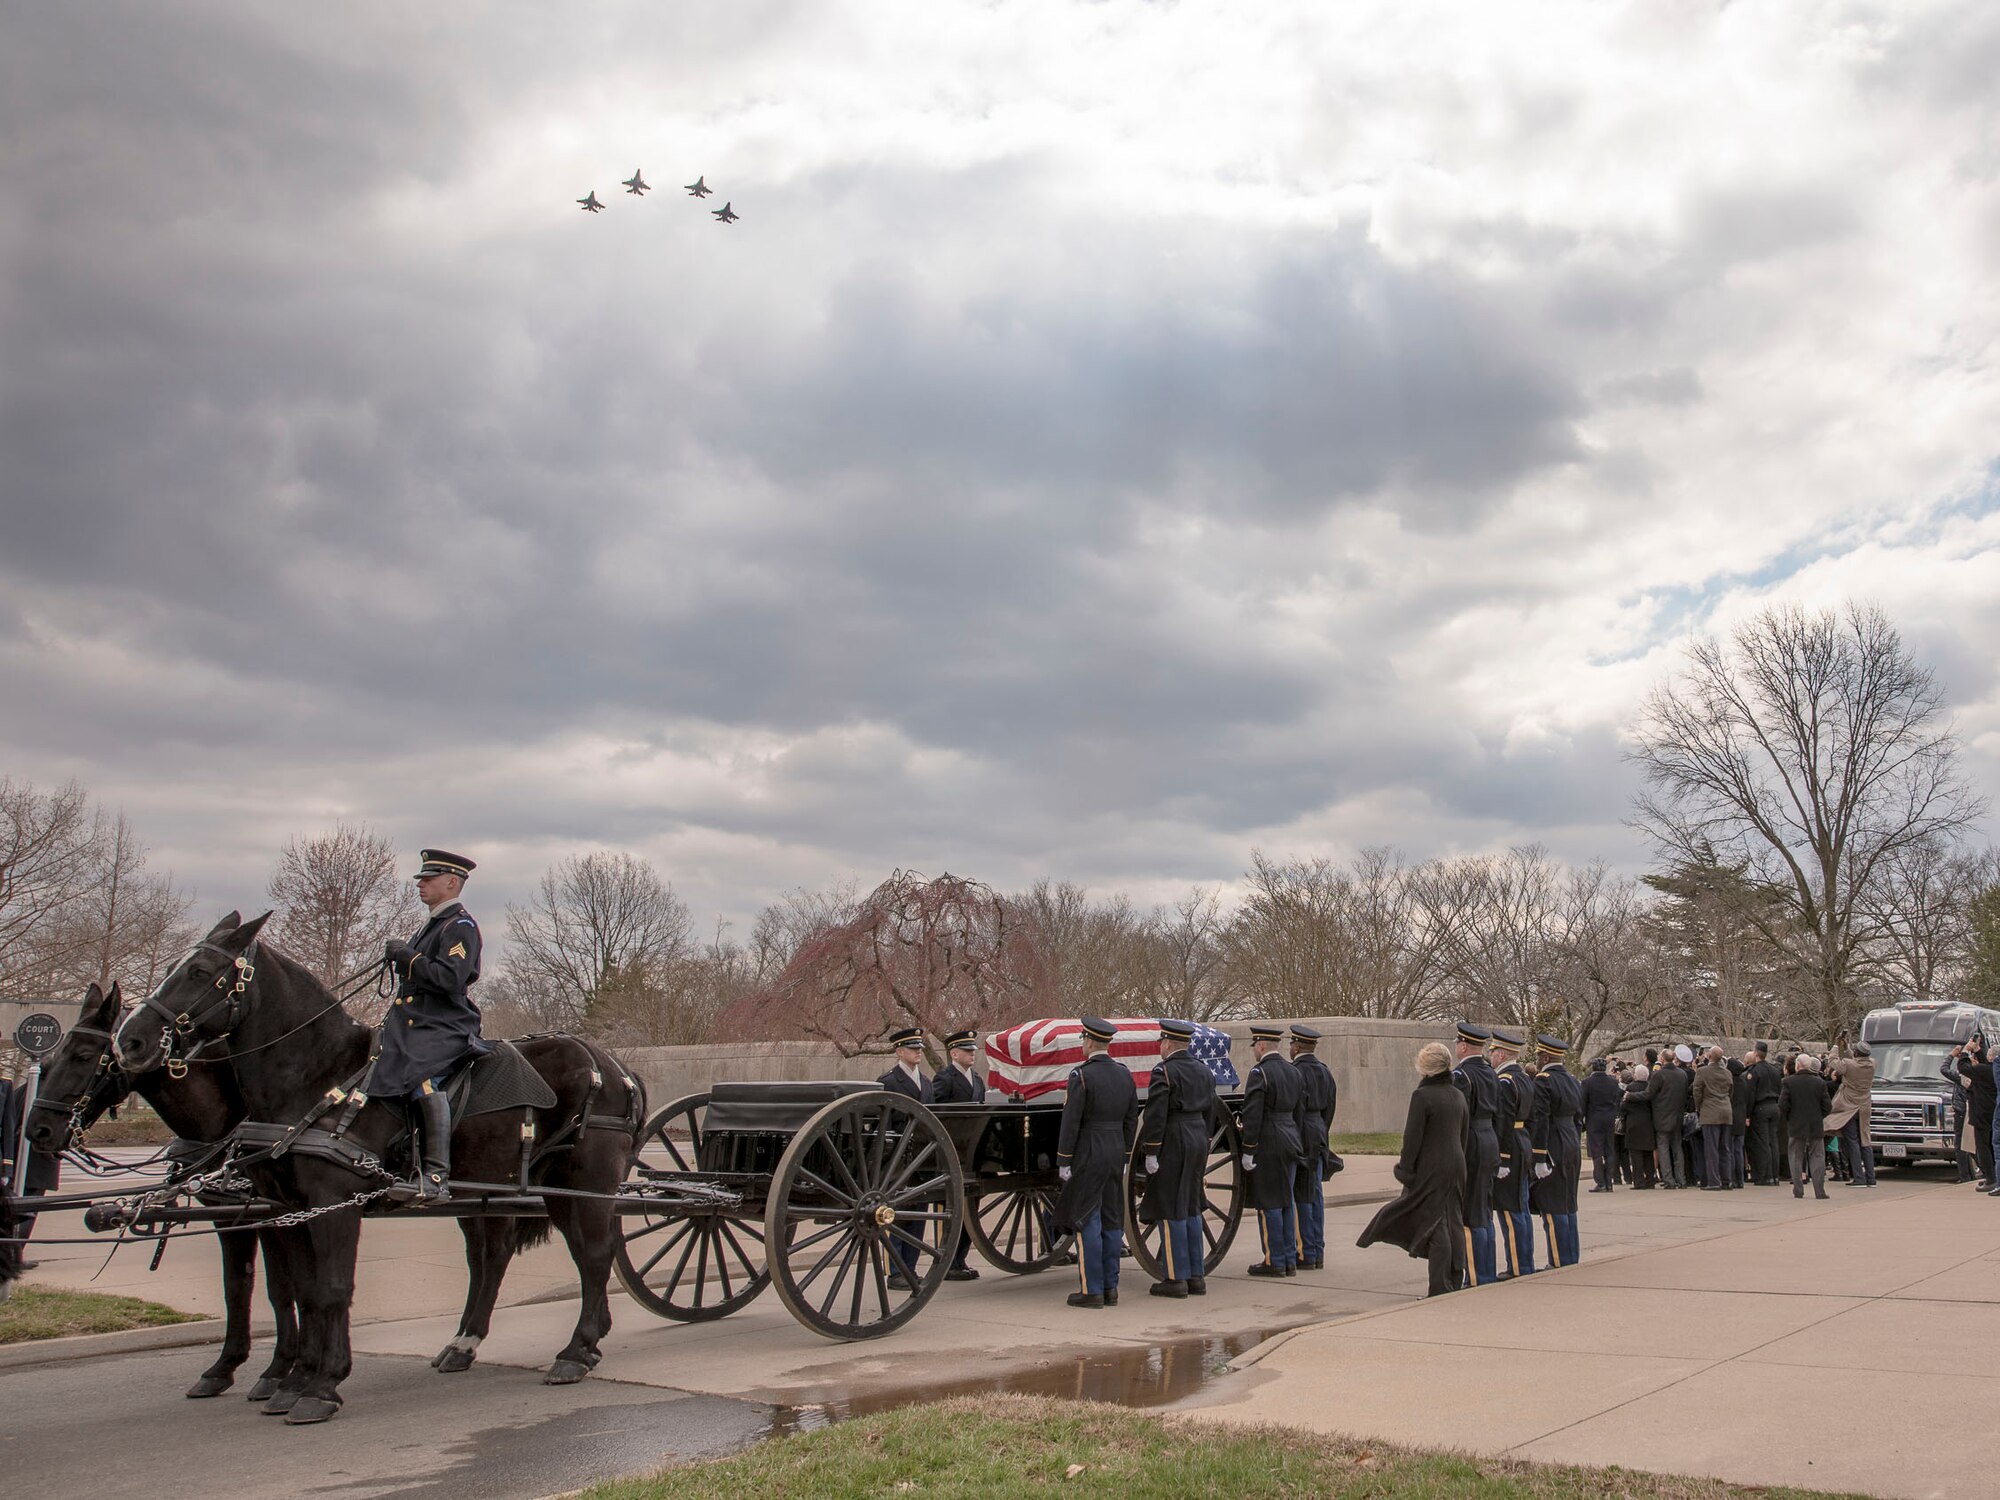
x,y
907,1076
957,1083
1100,1117
1558,1152
1174,1131
1273,1124
1317,1096
1517,1155
1474,1078
433,1025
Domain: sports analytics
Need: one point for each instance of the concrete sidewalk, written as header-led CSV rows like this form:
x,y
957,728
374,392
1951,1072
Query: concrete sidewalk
x,y
1747,1336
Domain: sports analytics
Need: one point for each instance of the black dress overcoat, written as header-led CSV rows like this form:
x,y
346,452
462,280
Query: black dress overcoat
x,y
1176,1125
1559,1114
1431,1171
1100,1118
1479,1086
1637,1112
1317,1095
1273,1122
432,1025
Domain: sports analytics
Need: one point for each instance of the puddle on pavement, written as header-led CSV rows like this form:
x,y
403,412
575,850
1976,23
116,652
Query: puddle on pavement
x,y
1135,1375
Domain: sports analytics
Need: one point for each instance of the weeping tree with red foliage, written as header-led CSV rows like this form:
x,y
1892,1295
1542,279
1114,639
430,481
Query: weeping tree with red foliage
x,y
940,953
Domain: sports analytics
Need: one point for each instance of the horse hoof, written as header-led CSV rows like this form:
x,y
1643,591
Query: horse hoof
x,y
451,1359
591,1357
310,1409
280,1402
566,1372
263,1390
210,1385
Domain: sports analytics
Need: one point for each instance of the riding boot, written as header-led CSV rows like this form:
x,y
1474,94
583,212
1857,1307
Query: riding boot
x,y
435,1176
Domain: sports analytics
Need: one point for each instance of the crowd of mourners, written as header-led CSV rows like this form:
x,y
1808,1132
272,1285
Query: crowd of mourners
x,y
1675,1117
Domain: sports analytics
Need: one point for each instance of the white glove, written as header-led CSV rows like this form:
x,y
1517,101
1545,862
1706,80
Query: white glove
x,y
1249,1162
1062,1174
1542,1169
1152,1166
1502,1172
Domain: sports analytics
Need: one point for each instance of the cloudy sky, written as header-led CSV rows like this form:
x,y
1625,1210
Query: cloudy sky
x,y
1116,436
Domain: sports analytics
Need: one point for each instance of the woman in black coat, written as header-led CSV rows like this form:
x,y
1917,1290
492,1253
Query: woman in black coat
x,y
1426,1219
1640,1140
1975,1069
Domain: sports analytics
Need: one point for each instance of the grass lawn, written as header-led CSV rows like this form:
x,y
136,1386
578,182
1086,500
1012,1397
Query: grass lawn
x,y
43,1312
1367,1143
1015,1446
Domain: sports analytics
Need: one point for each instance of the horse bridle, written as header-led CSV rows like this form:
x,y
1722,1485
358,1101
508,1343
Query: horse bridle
x,y
106,1076
231,984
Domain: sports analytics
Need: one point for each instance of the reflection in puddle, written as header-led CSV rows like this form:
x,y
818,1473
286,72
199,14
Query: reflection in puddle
x,y
1139,1375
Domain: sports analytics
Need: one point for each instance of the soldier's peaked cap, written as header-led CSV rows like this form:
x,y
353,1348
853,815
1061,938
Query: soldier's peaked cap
x,y
1508,1039
907,1036
1552,1046
1306,1034
1173,1026
1266,1031
962,1039
1099,1028
1469,1031
444,862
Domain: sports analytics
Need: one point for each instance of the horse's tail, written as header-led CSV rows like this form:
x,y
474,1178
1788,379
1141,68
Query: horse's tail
x,y
528,1233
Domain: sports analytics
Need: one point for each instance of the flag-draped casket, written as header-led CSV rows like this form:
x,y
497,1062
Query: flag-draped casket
x,y
1034,1058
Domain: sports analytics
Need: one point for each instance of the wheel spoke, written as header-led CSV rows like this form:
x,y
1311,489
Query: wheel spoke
x,y
920,1192
846,1243
674,1281
897,1232
686,1228
930,1150
813,1239
878,1253
726,1233
839,1277
845,1200
653,1226
860,1281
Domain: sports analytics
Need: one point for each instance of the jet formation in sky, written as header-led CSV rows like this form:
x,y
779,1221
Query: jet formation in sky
x,y
638,187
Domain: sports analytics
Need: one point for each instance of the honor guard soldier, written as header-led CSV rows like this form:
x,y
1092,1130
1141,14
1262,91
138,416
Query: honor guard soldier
x,y
957,1083
1317,1095
1517,1156
1558,1154
1100,1117
1174,1131
907,1076
1474,1078
1273,1123
432,1027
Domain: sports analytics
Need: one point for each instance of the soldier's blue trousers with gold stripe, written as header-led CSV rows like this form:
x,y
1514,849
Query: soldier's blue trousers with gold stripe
x,y
1279,1228
1098,1249
1183,1249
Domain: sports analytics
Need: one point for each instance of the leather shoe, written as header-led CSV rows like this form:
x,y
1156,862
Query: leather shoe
x,y
1085,1299
961,1273
1111,1298
1265,1268
1291,1270
1317,1263
1167,1289
1197,1286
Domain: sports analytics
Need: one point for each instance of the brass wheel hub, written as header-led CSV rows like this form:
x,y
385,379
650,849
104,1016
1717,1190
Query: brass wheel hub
x,y
884,1215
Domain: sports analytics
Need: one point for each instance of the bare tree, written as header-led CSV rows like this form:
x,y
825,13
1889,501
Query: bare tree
x,y
597,922
1192,975
50,852
939,953
337,897
1707,929
1921,911
675,1001
1812,747
130,921
795,919
1096,956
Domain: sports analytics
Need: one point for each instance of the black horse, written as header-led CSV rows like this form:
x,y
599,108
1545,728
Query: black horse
x,y
295,1051
80,1081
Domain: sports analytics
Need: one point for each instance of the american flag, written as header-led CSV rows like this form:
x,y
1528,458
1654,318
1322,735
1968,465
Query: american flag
x,y
1034,1058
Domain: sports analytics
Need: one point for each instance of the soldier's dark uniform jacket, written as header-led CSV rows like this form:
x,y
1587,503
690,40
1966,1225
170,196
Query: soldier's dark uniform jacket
x,y
433,1024
1100,1117
1177,1124
897,1081
950,1086
1475,1079
1559,1116
1517,1104
1273,1122
1317,1095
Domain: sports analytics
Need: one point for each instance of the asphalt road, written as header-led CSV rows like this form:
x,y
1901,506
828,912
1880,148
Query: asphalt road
x,y
119,1426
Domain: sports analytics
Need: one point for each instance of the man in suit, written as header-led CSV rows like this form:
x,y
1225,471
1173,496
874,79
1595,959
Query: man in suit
x,y
1802,1104
1516,1238
1667,1096
906,1076
1317,1096
1474,1078
1601,1094
957,1083
1100,1117
1174,1131
1767,1167
1273,1123
1559,1161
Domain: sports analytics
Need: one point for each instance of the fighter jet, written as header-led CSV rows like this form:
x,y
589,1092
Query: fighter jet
x,y
699,188
723,214
590,204
635,184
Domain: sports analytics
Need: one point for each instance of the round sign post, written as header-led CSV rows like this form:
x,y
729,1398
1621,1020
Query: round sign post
x,y
38,1034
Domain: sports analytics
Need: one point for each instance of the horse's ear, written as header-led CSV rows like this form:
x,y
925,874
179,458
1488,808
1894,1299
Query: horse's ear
x,y
92,998
225,926
245,935
107,1012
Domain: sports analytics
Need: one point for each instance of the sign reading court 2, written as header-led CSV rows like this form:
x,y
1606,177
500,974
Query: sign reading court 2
x,y
38,1034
